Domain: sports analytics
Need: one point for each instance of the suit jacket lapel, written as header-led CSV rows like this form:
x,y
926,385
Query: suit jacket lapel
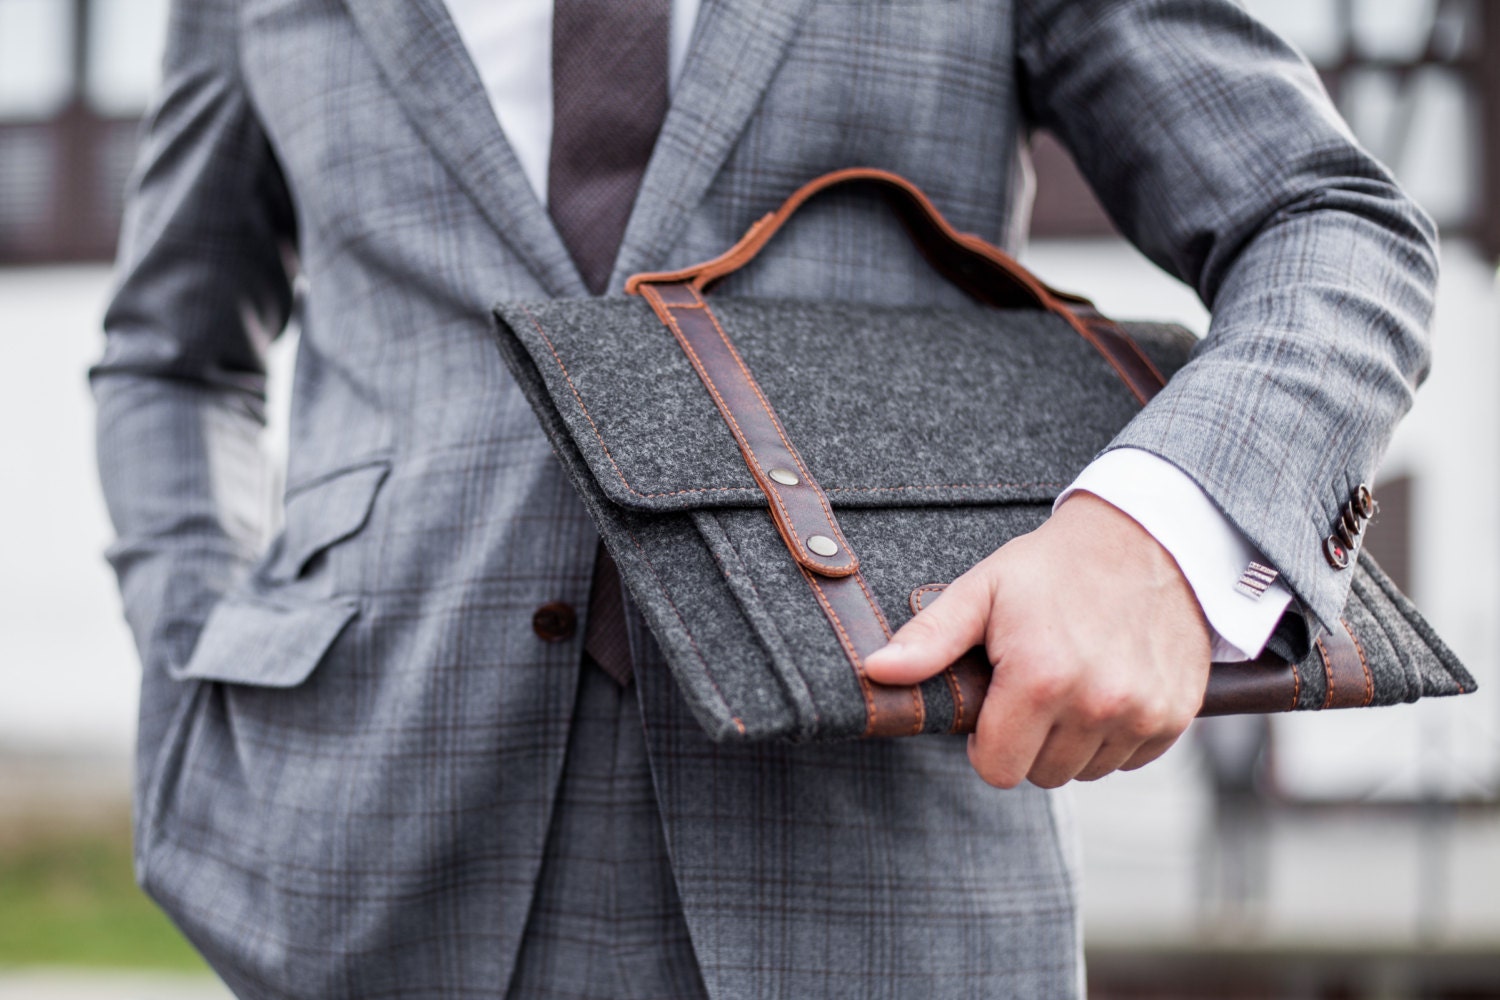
x,y
737,46
425,61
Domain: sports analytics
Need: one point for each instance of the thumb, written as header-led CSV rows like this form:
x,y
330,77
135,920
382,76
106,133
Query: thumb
x,y
937,637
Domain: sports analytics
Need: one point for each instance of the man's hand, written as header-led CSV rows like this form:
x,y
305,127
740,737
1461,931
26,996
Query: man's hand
x,y
1099,646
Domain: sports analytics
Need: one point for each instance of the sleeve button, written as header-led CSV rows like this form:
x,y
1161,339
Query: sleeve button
x,y
1336,553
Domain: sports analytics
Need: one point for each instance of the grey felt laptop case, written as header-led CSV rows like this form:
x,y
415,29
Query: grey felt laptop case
x,y
934,434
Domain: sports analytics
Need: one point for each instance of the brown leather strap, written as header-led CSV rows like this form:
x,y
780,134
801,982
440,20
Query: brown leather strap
x,y
861,629
1345,669
798,504
1267,684
1250,687
1130,362
968,679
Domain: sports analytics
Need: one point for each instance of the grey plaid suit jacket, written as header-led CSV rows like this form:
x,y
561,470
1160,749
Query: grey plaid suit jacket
x,y
350,735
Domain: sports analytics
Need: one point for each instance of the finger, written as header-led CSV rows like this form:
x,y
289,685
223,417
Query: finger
x,y
1066,752
1149,751
1111,756
1007,736
936,637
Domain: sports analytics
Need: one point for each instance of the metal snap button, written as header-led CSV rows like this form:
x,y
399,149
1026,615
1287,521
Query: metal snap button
x,y
823,545
786,477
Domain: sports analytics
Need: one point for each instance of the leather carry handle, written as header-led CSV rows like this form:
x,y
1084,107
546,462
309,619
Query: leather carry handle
x,y
985,272
800,509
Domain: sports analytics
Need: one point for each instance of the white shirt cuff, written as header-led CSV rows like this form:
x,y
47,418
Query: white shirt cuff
x,y
1242,597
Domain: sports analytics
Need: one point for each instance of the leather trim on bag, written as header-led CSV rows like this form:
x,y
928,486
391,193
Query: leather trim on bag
x,y
1345,668
969,678
1266,684
1263,685
800,510
862,629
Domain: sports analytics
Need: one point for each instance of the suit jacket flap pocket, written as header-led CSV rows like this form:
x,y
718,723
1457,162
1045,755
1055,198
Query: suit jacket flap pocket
x,y
250,639
323,511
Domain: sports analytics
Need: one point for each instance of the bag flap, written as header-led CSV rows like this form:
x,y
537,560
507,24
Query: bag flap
x,y
888,406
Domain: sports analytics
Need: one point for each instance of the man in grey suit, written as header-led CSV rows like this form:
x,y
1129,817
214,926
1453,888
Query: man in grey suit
x,y
370,763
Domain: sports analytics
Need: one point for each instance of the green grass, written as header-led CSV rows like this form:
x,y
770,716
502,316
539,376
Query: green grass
x,y
69,898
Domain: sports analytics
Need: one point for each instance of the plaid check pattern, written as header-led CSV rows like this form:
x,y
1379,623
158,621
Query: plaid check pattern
x,y
606,922
351,738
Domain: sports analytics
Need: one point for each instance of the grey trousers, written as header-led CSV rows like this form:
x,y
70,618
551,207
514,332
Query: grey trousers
x,y
606,921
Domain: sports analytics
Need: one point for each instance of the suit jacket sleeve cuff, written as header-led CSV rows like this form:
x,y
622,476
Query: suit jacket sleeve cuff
x,y
1242,597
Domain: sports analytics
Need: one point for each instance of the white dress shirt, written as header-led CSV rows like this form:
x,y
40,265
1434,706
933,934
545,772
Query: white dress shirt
x,y
511,45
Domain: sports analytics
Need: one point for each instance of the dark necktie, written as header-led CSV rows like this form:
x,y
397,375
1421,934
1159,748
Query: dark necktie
x,y
609,96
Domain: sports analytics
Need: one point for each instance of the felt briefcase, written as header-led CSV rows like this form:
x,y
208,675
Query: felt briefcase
x,y
783,483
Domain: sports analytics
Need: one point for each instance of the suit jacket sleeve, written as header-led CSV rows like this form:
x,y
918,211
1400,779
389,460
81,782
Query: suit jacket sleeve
x,y
202,287
1215,150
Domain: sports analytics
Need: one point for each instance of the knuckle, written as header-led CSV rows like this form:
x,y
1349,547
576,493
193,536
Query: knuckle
x,y
1046,686
1106,705
1124,708
1148,722
1140,730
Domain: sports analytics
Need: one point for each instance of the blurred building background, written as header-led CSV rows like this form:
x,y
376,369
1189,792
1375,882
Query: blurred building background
x,y
1342,855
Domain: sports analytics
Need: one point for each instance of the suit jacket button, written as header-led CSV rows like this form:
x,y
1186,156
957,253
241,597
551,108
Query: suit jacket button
x,y
554,622
1335,552
1365,501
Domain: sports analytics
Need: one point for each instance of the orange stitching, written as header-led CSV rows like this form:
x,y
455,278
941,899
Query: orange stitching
x,y
954,687
933,486
775,422
750,579
724,408
919,706
1327,671
1296,689
951,675
694,642
957,691
600,437
1058,309
924,589
1363,663
885,626
849,650
1123,334
733,489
